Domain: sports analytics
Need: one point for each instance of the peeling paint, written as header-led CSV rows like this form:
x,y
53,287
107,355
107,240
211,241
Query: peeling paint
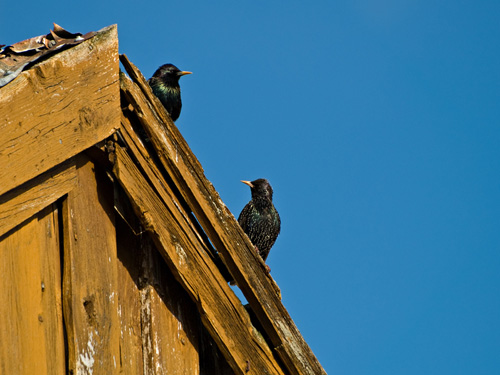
x,y
165,142
85,362
146,336
182,254
179,327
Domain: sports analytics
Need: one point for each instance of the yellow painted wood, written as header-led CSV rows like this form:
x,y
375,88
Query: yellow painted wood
x,y
169,318
129,270
90,287
58,108
153,302
31,328
221,311
23,202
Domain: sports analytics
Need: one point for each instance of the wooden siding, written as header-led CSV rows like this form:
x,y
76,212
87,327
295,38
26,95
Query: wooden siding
x,y
90,285
123,310
30,286
116,251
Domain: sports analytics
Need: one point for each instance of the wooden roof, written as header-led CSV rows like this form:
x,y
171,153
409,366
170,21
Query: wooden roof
x,y
78,101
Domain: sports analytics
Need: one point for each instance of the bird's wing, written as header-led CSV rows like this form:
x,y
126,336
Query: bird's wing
x,y
244,216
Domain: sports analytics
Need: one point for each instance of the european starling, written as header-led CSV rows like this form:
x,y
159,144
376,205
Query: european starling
x,y
165,85
259,219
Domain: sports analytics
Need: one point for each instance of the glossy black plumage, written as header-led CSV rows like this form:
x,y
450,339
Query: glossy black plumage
x,y
165,85
259,218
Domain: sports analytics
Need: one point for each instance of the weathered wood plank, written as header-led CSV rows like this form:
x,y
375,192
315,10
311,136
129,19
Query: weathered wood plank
x,y
151,302
58,108
129,269
50,254
23,202
221,311
146,163
31,328
169,320
181,310
220,225
90,300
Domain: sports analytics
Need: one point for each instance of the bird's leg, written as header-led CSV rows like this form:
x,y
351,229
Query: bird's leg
x,y
268,269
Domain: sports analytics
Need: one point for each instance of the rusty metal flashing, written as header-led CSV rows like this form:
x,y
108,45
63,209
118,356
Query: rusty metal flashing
x,y
14,58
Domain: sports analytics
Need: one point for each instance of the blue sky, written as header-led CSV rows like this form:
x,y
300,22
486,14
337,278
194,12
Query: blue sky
x,y
377,123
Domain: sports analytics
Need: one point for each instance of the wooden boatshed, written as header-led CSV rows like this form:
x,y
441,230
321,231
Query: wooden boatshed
x,y
115,250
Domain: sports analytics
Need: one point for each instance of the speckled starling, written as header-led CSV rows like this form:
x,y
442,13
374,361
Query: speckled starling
x,y
259,218
165,85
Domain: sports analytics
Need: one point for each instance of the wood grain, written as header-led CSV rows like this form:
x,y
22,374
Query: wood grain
x,y
58,108
129,270
90,277
31,328
157,316
23,202
170,320
245,265
221,311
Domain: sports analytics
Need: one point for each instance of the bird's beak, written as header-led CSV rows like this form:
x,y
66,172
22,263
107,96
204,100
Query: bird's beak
x,y
247,183
184,73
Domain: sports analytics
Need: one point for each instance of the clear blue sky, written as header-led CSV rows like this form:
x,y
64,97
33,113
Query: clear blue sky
x,y
377,123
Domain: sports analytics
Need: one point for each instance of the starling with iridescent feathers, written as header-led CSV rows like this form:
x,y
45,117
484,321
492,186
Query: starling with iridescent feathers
x,y
259,218
165,85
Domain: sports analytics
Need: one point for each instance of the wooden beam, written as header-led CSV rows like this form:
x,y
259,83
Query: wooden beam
x,y
58,108
220,310
90,300
23,202
238,254
157,316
